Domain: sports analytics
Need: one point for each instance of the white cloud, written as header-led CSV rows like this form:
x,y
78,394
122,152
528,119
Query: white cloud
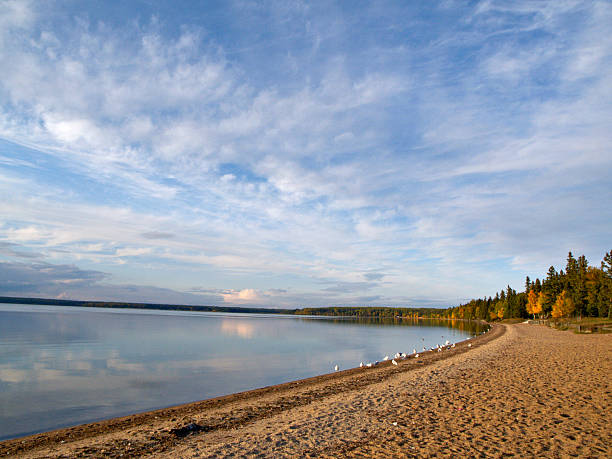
x,y
247,295
133,251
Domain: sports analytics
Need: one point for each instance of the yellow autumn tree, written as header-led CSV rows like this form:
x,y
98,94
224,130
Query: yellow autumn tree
x,y
538,307
500,312
532,302
564,306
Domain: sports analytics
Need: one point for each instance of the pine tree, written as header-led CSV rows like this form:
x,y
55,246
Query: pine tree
x,y
527,284
571,269
606,267
595,291
537,286
543,301
580,291
551,286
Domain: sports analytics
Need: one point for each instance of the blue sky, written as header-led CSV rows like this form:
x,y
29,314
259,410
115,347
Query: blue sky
x,y
301,153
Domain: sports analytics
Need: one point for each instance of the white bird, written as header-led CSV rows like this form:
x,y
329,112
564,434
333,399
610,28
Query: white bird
x,y
416,356
439,349
386,358
397,355
453,345
447,342
369,365
361,365
393,362
470,345
424,349
414,351
336,368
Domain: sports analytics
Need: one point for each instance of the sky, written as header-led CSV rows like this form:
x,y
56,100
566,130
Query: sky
x,y
290,154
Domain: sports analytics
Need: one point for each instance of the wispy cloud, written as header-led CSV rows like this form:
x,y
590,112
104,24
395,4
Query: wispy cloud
x,y
290,156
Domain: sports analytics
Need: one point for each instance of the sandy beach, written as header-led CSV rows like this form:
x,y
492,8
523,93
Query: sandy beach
x,y
524,390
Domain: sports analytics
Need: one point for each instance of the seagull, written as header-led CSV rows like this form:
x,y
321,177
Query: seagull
x,y
416,356
397,355
369,365
414,351
393,362
386,358
336,368
361,365
470,345
447,342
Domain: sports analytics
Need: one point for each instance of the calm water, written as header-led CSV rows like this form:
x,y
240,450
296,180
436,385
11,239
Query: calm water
x,y
61,366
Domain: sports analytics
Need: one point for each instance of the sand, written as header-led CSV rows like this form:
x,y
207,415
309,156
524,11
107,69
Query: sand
x,y
524,390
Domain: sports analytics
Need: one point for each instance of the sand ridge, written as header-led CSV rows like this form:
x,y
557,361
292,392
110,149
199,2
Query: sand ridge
x,y
533,391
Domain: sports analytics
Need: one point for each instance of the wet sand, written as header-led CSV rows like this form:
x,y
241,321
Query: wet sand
x,y
523,390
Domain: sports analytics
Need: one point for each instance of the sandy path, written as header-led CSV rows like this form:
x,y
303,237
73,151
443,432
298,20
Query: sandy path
x,y
531,392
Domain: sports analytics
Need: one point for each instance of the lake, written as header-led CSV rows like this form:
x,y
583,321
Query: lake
x,y
62,366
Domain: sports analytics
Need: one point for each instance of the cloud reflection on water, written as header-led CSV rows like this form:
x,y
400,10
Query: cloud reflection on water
x,y
241,329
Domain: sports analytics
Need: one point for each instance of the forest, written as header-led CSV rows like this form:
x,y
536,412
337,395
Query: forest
x,y
578,291
372,311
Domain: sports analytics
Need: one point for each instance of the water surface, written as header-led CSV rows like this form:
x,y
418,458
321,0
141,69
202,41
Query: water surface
x,y
61,366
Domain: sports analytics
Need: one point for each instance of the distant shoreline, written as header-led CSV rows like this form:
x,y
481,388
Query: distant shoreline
x,y
130,305
386,312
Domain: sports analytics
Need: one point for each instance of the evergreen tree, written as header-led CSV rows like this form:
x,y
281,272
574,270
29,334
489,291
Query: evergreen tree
x,y
579,289
571,269
606,268
527,284
543,302
596,301
537,286
551,287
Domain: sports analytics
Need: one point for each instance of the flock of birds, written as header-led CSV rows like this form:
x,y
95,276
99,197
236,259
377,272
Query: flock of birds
x,y
401,356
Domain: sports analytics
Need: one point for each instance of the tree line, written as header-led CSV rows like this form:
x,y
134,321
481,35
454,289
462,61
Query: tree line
x,y
152,306
580,290
372,311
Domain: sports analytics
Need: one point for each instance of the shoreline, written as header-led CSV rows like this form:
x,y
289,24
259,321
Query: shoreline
x,y
365,377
